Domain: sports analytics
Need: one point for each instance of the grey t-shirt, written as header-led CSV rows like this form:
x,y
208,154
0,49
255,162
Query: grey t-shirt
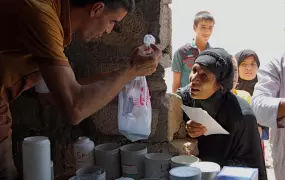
x,y
183,61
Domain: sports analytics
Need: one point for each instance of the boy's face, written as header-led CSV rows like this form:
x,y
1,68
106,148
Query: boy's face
x,y
204,30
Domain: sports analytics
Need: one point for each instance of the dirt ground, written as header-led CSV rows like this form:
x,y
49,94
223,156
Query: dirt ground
x,y
269,161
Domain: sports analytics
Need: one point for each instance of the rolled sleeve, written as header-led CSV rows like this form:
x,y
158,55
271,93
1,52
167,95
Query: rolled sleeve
x,y
43,34
265,103
176,63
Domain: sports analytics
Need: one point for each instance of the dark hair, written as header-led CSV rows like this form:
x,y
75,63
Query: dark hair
x,y
203,15
129,5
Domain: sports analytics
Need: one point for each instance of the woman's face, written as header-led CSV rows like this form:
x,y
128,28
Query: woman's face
x,y
248,69
203,83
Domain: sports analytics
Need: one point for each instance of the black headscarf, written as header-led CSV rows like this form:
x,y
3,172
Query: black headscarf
x,y
219,62
244,84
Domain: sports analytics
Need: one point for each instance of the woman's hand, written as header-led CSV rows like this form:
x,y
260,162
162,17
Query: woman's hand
x,y
195,129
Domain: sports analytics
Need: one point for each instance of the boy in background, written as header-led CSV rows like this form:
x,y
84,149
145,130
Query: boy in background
x,y
185,56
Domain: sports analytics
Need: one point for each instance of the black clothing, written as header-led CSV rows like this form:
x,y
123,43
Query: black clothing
x,y
242,147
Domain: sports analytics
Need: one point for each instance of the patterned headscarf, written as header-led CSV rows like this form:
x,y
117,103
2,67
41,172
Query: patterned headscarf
x,y
219,62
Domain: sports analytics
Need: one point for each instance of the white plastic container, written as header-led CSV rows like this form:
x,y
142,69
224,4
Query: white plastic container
x,y
132,160
36,158
107,156
183,160
91,173
148,40
157,165
185,173
84,152
209,169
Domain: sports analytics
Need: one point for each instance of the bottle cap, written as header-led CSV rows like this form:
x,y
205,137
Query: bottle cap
x,y
148,40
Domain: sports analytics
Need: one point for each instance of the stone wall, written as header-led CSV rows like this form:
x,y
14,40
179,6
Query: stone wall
x,y
111,52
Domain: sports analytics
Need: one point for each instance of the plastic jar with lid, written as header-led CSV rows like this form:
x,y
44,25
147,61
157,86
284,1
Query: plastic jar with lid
x,y
84,152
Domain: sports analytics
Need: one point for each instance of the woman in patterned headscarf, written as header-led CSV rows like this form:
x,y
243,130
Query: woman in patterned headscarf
x,y
211,82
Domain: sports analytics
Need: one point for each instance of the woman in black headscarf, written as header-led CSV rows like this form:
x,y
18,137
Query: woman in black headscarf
x,y
211,82
248,64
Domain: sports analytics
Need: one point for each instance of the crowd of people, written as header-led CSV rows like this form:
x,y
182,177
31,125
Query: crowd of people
x,y
242,98
32,48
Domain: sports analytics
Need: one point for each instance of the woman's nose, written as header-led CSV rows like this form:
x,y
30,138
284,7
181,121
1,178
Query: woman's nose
x,y
248,67
194,78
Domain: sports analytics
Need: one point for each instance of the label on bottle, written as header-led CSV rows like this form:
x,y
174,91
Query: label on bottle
x,y
82,157
130,169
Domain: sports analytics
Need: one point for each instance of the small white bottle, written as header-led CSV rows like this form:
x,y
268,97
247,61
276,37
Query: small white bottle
x,y
148,40
84,150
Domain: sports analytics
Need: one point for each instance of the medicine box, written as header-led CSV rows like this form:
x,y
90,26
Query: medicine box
x,y
237,173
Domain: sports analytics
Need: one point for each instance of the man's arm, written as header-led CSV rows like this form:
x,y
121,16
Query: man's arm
x,y
80,101
97,77
42,36
266,104
177,67
47,98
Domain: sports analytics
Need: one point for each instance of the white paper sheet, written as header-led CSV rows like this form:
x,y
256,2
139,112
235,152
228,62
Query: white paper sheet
x,y
200,116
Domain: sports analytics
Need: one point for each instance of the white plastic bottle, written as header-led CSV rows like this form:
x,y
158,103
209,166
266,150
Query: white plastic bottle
x,y
148,40
84,150
36,158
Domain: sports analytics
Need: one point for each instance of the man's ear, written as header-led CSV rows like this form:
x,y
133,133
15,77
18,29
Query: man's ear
x,y
96,9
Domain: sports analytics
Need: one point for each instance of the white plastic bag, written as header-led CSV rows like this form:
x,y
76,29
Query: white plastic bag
x,y
134,114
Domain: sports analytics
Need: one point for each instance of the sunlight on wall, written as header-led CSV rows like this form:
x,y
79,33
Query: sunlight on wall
x,y
255,24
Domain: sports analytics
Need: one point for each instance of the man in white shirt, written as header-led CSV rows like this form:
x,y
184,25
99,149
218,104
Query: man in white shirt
x,y
268,103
